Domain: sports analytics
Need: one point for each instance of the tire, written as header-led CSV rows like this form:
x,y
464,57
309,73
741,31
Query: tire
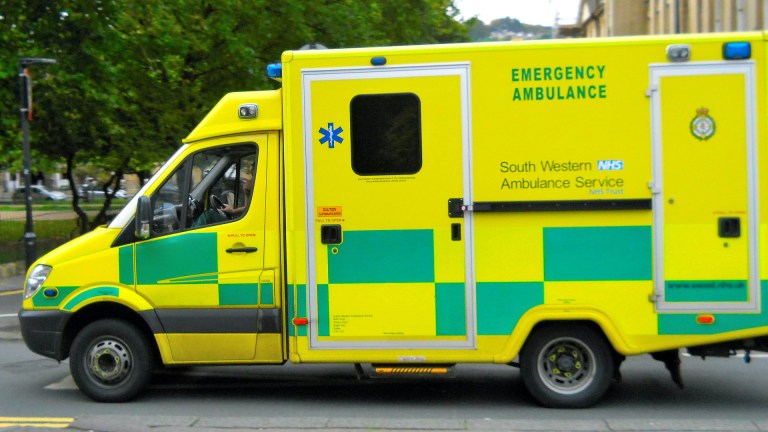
x,y
111,361
567,366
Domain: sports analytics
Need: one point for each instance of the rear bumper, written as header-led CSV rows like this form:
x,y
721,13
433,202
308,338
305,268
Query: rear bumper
x,y
43,331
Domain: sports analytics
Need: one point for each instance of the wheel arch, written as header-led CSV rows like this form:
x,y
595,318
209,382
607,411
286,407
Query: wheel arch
x,y
537,318
594,325
145,321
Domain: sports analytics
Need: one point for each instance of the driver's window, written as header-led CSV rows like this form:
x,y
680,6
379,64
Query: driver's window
x,y
212,186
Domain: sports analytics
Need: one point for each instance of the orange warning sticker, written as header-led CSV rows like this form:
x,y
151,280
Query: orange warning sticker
x,y
327,211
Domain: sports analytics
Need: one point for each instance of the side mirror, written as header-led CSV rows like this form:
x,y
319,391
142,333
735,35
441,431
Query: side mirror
x,y
143,218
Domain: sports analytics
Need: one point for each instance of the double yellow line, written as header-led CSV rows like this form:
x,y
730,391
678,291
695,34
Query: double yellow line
x,y
41,422
7,293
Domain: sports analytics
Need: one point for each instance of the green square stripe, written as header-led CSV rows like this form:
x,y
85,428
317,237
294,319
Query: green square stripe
x,y
266,294
501,304
177,257
238,294
598,253
450,309
389,256
323,311
125,262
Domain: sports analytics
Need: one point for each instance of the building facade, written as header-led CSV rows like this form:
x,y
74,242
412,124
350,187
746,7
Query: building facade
x,y
604,18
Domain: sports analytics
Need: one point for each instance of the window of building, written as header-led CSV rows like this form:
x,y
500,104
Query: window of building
x,y
386,134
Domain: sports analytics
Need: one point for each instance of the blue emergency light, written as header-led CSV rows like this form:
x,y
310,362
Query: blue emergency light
x,y
737,50
275,70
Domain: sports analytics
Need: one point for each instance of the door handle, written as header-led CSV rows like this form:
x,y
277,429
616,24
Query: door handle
x,y
242,249
729,227
456,232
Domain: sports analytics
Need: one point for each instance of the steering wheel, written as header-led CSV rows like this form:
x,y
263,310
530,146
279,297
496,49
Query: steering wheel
x,y
216,203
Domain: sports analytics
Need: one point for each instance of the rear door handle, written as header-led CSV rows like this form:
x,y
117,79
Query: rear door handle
x,y
242,249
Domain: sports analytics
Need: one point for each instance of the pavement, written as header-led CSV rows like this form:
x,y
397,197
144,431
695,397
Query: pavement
x,y
12,283
128,423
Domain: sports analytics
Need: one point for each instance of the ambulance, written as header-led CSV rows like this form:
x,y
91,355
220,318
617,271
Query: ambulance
x,y
551,205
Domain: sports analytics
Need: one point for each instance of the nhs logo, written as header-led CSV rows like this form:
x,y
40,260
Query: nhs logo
x,y
610,165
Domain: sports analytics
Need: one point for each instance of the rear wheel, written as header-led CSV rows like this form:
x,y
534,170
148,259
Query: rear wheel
x,y
110,361
567,366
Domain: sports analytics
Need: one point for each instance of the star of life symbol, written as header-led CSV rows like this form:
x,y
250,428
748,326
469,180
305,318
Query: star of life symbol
x,y
331,135
703,126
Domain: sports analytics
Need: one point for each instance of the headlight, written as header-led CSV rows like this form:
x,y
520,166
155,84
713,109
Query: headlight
x,y
36,279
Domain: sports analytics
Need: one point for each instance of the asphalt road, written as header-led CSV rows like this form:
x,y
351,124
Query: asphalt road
x,y
720,394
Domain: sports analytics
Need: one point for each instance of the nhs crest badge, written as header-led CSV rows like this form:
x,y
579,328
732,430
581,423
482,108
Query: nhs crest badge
x,y
703,126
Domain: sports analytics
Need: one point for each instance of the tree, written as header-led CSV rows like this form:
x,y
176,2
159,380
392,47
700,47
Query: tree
x,y
133,77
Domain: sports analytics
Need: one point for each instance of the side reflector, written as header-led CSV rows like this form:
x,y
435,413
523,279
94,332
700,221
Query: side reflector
x,y
737,50
275,70
51,292
300,321
705,319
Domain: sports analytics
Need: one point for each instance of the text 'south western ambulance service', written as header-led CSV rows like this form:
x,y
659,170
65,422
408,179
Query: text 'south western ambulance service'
x,y
556,206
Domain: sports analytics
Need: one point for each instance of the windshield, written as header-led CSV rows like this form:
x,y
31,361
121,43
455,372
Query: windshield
x,y
126,214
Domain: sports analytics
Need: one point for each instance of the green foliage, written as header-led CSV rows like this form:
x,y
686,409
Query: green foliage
x,y
50,235
133,77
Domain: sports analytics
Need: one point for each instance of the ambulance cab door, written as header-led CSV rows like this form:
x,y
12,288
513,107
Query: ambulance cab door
x,y
387,150
203,268
705,195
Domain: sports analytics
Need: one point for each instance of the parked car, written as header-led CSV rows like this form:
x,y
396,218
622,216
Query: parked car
x,y
39,193
88,194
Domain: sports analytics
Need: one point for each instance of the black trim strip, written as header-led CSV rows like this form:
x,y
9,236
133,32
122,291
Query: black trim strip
x,y
220,320
578,205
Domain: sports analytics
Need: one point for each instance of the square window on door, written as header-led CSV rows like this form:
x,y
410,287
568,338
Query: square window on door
x,y
386,134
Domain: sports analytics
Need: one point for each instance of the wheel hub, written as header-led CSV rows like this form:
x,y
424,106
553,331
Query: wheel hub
x,y
565,363
565,366
109,361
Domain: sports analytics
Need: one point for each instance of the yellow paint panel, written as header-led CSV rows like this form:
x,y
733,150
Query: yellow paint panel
x,y
449,255
704,179
181,295
763,241
410,201
212,347
699,254
269,348
380,310
626,303
513,254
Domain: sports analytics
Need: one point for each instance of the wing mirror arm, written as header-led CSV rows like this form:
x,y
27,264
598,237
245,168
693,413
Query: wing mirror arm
x,y
143,218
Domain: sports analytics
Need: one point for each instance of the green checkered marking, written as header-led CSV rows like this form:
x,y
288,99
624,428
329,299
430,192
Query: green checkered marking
x,y
622,253
89,294
179,257
500,305
391,256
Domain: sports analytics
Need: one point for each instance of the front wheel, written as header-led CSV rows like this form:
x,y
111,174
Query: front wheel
x,y
110,361
566,366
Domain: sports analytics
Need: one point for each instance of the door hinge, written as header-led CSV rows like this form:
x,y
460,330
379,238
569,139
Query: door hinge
x,y
651,90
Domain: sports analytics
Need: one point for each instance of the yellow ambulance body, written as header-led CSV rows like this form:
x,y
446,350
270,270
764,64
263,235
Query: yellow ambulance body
x,y
556,205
